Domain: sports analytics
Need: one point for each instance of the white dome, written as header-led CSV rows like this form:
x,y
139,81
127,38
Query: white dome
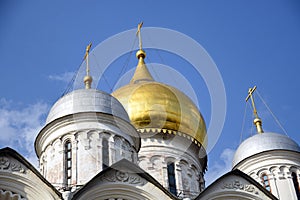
x,y
87,100
264,142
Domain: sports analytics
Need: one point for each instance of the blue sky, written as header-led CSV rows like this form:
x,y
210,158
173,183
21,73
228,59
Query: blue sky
x,y
252,43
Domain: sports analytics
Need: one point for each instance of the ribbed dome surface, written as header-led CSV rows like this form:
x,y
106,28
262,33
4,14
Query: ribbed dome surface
x,y
150,104
264,142
87,100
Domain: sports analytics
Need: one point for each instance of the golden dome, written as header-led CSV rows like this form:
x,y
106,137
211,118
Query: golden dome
x,y
153,105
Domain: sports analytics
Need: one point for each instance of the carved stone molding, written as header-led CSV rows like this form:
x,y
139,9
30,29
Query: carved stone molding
x,y
9,195
124,177
237,185
11,165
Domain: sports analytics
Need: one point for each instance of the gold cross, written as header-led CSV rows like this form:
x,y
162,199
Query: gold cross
x,y
257,121
86,56
138,33
250,92
87,50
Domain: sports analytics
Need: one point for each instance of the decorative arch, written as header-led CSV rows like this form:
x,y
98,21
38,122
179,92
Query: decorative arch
x,y
183,162
236,195
294,169
273,169
117,141
143,162
120,191
78,134
155,161
20,180
262,170
25,187
108,135
57,145
170,159
70,136
93,136
284,168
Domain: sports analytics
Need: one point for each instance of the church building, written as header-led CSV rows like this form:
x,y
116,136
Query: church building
x,y
145,141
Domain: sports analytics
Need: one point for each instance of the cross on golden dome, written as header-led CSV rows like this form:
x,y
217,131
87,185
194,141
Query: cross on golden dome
x,y
138,33
159,107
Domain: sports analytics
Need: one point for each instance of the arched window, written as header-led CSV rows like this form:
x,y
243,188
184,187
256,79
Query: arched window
x,y
265,181
105,154
68,162
171,178
296,184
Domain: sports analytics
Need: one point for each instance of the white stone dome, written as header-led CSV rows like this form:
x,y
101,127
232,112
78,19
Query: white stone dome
x,y
264,142
87,100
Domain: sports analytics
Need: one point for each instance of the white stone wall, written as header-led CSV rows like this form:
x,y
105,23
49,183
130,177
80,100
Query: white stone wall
x,y
86,133
156,152
278,165
86,156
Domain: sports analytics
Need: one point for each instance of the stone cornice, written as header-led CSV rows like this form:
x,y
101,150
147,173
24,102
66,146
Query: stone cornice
x,y
269,158
116,176
76,119
238,185
11,165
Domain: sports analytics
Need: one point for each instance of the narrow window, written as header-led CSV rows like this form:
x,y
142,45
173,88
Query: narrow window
x,y
132,156
171,178
296,184
68,162
265,181
105,154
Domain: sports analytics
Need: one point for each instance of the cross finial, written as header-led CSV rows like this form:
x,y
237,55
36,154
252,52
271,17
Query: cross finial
x,y
257,121
87,79
86,57
138,33
250,95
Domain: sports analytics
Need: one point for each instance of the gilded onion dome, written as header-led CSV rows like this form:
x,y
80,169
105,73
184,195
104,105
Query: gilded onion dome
x,y
153,105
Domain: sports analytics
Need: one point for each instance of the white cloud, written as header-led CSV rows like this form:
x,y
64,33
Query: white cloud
x,y
65,77
220,166
19,127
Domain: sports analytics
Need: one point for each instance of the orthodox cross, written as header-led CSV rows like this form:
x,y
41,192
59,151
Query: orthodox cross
x,y
87,79
257,121
250,92
86,57
138,33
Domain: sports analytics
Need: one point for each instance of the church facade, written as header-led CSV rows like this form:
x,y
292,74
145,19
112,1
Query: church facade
x,y
146,140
